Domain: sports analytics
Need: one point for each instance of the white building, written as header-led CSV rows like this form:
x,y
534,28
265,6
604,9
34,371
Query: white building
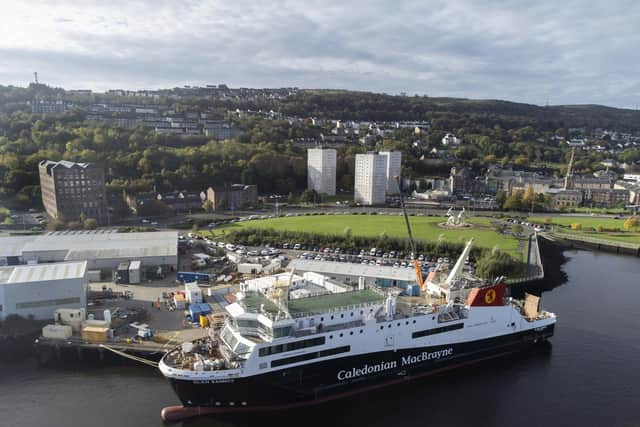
x,y
394,165
102,249
370,179
38,290
451,139
321,170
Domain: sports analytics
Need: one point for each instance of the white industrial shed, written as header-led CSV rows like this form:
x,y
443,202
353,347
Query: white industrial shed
x,y
102,249
39,290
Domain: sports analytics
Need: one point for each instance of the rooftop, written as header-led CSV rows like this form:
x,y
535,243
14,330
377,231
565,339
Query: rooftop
x,y
323,303
42,272
330,268
80,245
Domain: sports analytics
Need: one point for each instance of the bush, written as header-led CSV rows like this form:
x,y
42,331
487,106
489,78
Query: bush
x,y
494,263
576,226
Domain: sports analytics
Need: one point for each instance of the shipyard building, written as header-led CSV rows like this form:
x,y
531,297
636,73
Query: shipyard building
x,y
38,290
103,250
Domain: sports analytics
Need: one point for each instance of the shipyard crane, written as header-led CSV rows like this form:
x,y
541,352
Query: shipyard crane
x,y
416,263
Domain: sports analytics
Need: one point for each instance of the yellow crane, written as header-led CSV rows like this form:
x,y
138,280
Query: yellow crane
x,y
416,263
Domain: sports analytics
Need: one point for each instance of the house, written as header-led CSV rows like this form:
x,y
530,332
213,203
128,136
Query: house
x,y
234,196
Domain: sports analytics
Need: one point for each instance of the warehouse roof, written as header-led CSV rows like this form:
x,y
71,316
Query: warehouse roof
x,y
352,269
43,272
81,245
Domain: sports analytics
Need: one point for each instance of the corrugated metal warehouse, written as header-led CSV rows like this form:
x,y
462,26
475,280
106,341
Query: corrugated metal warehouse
x,y
38,290
102,249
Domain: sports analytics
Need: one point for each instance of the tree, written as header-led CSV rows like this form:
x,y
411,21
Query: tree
x,y
517,229
309,196
90,224
207,205
514,202
501,197
632,223
529,196
600,228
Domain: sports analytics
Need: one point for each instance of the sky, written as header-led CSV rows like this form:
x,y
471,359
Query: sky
x,y
538,51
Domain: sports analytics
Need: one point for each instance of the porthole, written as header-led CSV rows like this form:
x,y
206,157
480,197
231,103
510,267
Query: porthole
x,y
361,331
332,317
322,319
361,312
341,335
330,337
342,316
414,322
351,333
352,314
398,324
389,326
406,323
381,327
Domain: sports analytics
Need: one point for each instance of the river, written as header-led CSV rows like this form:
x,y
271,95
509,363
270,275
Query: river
x,y
588,375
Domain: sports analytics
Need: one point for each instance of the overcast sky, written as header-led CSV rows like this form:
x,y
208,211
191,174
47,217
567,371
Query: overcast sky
x,y
536,51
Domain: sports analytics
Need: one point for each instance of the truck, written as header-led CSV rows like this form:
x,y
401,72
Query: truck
x,y
190,276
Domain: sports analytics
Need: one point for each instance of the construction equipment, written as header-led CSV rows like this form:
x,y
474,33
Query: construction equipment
x,y
416,263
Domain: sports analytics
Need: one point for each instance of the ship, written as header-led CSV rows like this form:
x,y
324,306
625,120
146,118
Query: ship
x,y
290,340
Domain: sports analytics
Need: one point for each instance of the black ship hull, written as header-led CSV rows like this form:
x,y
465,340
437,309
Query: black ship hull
x,y
322,381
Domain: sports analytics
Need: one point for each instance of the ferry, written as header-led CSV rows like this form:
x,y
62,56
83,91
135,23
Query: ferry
x,y
291,340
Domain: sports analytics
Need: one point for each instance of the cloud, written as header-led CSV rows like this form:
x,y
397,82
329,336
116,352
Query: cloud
x,y
569,52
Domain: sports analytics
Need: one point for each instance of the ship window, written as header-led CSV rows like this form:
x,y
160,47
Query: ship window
x,y
351,333
295,345
352,314
332,317
322,319
414,322
360,330
330,337
406,323
382,327
342,316
426,332
341,335
310,356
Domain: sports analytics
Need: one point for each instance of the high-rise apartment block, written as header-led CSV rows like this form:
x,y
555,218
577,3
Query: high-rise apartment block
x,y
321,170
71,189
370,185
394,164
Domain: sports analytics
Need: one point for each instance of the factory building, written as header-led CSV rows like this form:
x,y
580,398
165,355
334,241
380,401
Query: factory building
x,y
102,249
38,290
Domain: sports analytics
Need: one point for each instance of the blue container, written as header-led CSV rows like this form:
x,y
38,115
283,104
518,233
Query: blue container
x,y
189,277
413,290
195,310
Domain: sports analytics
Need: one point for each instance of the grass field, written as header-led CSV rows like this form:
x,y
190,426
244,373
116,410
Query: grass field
x,y
592,222
425,228
586,221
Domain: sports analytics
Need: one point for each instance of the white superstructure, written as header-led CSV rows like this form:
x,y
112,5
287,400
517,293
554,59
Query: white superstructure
x,y
321,170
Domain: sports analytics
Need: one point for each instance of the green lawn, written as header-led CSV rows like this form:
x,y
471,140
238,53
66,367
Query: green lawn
x,y
586,221
425,228
593,222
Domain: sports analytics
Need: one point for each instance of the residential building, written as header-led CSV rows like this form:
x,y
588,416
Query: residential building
x,y
71,189
451,139
181,201
393,170
321,170
235,196
370,179
565,198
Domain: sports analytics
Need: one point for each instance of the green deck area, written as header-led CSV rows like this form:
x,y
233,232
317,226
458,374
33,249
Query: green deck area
x,y
252,301
323,303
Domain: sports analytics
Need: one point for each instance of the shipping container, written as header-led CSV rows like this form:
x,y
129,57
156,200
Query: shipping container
x,y
190,276
95,334
122,273
204,321
94,275
179,302
193,293
57,332
134,272
195,310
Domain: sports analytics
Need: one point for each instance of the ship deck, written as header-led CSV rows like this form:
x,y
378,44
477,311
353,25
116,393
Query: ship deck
x,y
254,301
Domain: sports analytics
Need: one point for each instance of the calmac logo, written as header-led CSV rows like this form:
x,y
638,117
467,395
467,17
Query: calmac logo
x,y
490,296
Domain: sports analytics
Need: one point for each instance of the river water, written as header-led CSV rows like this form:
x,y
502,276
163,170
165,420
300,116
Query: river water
x,y
589,375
